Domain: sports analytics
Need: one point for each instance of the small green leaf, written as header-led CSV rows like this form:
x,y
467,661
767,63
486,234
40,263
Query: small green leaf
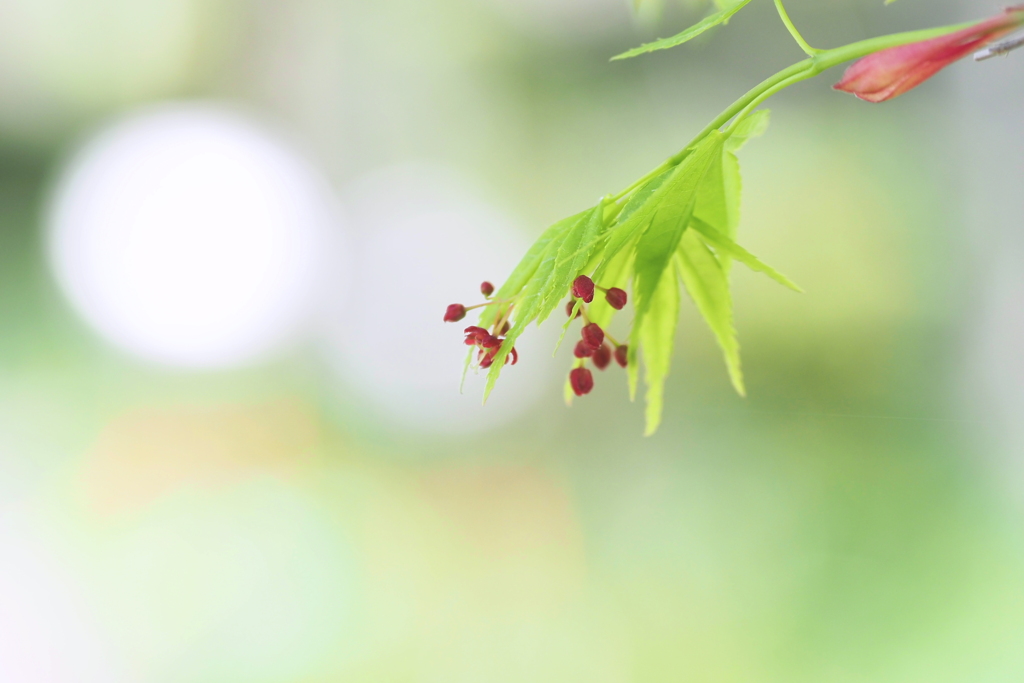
x,y
531,296
574,252
632,220
732,186
726,247
526,268
753,126
675,202
465,368
712,203
656,336
551,263
700,27
709,288
640,197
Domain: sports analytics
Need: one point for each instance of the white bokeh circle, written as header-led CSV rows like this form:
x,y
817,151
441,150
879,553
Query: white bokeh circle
x,y
190,236
422,242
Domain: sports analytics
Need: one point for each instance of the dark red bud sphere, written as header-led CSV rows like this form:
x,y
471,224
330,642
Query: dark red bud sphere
x,y
622,355
455,313
583,288
583,350
616,298
593,335
602,357
582,381
486,288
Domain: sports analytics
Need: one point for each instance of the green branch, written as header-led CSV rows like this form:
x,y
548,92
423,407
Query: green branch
x,y
821,61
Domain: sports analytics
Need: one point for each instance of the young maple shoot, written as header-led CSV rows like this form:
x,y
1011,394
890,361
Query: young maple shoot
x,y
676,227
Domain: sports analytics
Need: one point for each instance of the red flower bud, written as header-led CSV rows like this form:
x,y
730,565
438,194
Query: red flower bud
x,y
583,350
486,288
455,313
583,288
571,305
892,72
622,355
582,381
490,342
593,335
602,357
616,298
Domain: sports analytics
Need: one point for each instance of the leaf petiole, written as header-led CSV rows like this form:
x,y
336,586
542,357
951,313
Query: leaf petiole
x,y
810,51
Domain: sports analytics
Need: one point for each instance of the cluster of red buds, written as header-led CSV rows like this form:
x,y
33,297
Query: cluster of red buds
x,y
592,344
487,342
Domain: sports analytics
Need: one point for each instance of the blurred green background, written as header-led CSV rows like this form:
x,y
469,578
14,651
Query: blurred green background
x,y
314,501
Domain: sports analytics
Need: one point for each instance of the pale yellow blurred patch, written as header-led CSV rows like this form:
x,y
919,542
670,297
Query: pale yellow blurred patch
x,y
148,453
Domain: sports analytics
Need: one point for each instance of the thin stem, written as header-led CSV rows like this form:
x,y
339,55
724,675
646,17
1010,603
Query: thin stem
x,y
811,52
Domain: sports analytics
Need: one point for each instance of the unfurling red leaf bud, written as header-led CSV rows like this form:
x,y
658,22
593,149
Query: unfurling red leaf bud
x,y
602,357
582,381
568,309
593,335
583,350
455,313
486,288
622,355
616,298
583,288
889,73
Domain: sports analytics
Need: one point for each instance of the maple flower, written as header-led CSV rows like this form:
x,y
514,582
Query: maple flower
x,y
475,335
593,336
582,381
583,350
616,298
454,313
892,72
622,355
602,357
583,288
